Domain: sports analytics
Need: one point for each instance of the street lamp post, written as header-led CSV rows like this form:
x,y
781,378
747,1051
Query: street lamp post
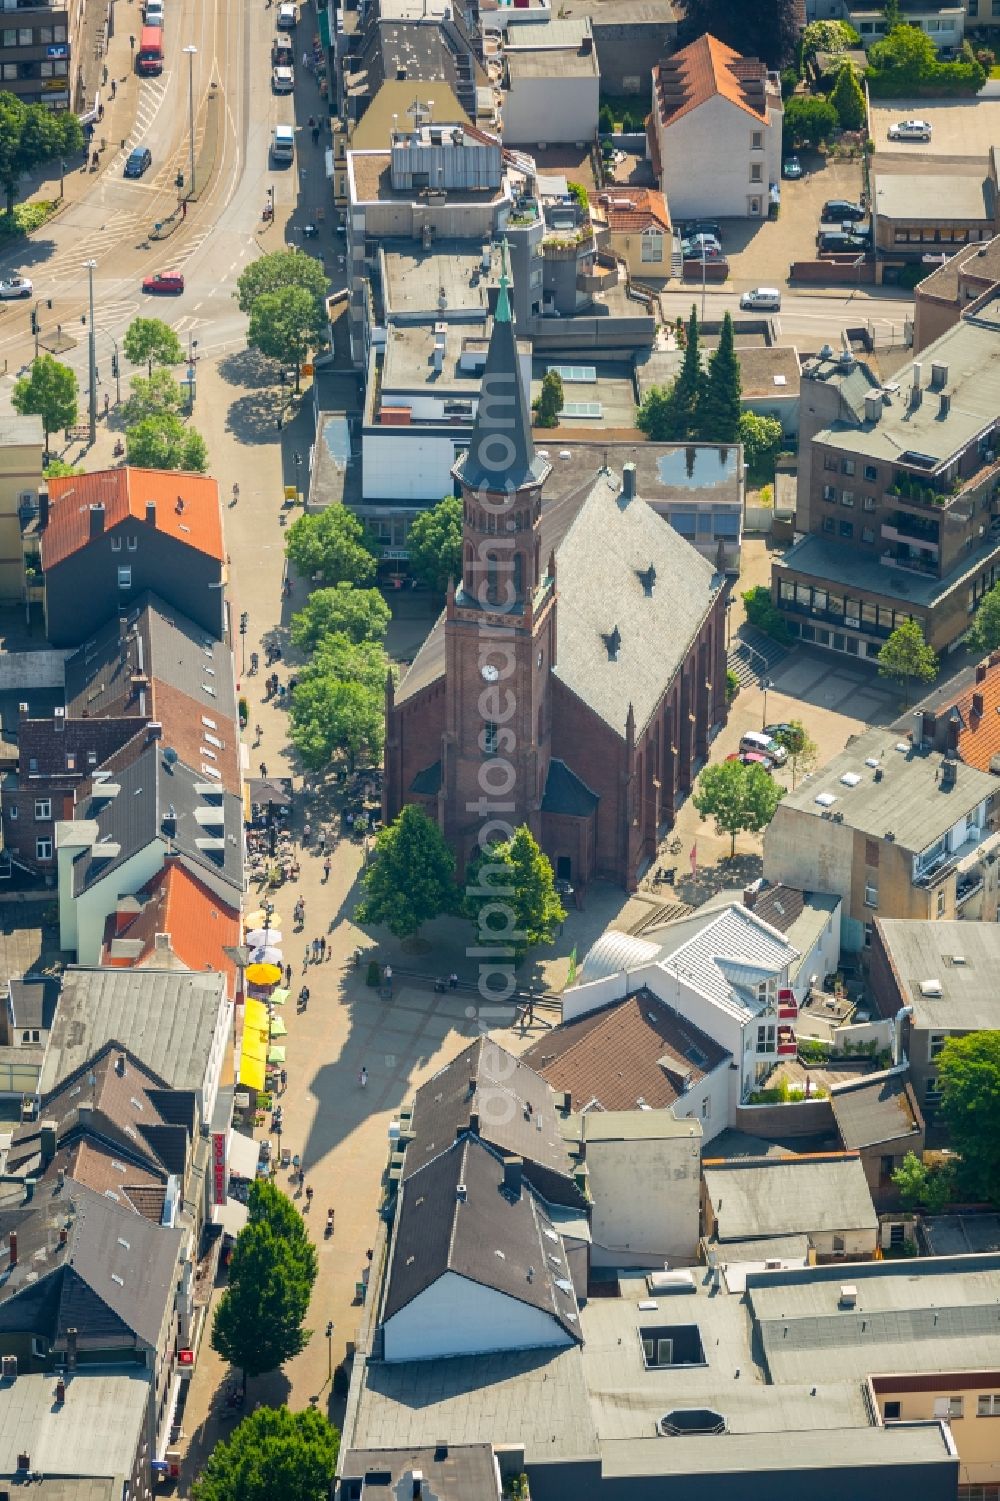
x,y
90,267
117,371
191,50
329,1351
62,179
765,683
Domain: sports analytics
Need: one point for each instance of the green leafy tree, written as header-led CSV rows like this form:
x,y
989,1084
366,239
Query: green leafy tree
x,y
331,715
762,439
905,51
606,120
152,396
762,613
49,391
907,658
285,325
361,614
803,752
510,894
267,1205
362,662
550,400
969,1081
30,135
272,1453
738,797
985,633
656,415
434,543
258,1320
768,29
924,1186
163,442
808,120
689,386
149,342
275,272
412,878
828,36
718,416
57,469
330,546
847,99
893,13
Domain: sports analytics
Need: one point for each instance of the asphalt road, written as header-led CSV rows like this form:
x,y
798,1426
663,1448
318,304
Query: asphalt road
x,y
808,319
112,221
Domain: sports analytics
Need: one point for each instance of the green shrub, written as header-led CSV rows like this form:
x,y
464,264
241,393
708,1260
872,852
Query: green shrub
x,y
26,218
732,686
762,613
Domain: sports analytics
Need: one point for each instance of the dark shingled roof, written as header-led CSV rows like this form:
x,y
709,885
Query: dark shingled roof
x,y
488,1236
565,793
516,1110
875,1109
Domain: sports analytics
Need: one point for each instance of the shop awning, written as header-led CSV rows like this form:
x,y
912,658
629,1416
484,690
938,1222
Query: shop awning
x,y
276,1054
323,17
252,1072
253,1048
232,1216
244,1154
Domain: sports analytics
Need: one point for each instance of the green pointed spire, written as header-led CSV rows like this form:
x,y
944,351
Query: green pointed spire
x,y
502,314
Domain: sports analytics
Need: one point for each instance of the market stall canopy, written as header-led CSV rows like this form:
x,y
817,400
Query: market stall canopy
x,y
244,1154
278,997
259,938
232,1216
253,1051
265,955
258,918
276,1055
278,1028
265,790
263,974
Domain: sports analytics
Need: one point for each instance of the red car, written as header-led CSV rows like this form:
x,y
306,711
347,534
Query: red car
x,y
164,281
752,758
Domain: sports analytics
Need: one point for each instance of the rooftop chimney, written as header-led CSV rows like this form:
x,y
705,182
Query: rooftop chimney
x,y
982,668
512,1176
60,1391
474,1122
978,704
43,509
418,1485
151,512
154,731
71,1349
97,519
939,375
628,481
47,1141
13,1248
915,393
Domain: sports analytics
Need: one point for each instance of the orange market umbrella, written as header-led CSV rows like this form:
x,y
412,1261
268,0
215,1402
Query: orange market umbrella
x,y
263,974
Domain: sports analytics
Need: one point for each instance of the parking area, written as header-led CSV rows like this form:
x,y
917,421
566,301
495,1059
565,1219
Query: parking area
x,y
760,254
960,127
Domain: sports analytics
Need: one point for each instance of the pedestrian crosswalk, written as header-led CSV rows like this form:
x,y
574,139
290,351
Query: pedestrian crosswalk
x,y
152,92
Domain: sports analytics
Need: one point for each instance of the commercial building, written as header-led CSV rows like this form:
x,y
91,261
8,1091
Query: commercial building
x,y
885,826
551,82
919,209
715,132
940,976
40,56
826,1199
897,494
945,293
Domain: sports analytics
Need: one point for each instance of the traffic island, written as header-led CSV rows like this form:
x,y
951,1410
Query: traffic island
x,y
205,159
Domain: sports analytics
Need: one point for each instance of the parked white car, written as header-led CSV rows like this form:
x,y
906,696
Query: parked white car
x,y
16,286
282,80
910,130
288,17
768,298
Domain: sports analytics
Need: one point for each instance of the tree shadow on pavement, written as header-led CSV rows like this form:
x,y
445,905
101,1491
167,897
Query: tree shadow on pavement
x,y
254,418
739,871
248,368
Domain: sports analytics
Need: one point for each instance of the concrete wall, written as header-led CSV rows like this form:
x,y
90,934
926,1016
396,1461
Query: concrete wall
x,y
706,157
646,1195
808,1118
814,854
626,50
977,1439
399,464
551,110
457,1317
822,959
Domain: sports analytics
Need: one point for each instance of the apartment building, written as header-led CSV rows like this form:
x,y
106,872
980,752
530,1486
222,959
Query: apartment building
x,y
946,292
22,443
898,494
40,60
888,825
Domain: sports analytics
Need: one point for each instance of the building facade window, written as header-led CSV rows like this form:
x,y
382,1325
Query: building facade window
x,y
847,529
124,578
871,896
756,140
43,808
871,473
756,171
891,1412
988,1406
43,849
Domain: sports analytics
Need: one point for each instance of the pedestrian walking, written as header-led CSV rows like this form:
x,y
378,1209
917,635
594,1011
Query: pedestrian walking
x,y
387,974
284,1080
309,1196
453,981
363,1077
321,842
107,403
322,948
114,87
326,869
288,975
236,491
259,730
263,771
315,135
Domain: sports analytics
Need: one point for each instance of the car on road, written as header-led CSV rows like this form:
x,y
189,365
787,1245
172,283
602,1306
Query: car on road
x,y
282,80
288,17
164,281
910,130
761,743
15,286
139,158
283,144
696,250
153,13
841,210
282,52
764,298
752,758
791,167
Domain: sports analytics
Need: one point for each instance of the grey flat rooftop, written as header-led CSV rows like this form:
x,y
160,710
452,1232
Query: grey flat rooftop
x,y
919,951
554,31
873,1110
415,278
969,349
961,1234
814,557
94,1432
612,389
21,430
783,1452
167,1018
788,1196
932,1316
552,62
536,1398
908,800
695,474
979,261
463,1472
919,198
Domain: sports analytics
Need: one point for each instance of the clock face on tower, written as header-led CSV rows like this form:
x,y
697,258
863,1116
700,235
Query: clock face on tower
x,y
490,673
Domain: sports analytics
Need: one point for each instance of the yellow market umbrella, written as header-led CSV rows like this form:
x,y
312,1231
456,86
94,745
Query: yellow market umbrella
x,y
276,1055
259,918
278,1028
263,974
278,997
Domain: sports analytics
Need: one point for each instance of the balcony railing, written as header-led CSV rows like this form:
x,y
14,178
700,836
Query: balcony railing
x,y
912,536
909,565
946,863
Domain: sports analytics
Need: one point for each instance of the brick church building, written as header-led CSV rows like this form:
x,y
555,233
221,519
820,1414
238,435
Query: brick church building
x,y
579,665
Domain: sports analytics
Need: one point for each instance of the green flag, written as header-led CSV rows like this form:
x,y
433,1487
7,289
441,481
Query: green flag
x,y
571,977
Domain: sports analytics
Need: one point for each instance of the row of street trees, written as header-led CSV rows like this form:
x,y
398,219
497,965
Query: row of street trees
x,y
509,892
284,296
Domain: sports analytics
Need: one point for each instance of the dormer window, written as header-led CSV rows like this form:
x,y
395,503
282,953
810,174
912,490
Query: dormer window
x,y
647,578
613,643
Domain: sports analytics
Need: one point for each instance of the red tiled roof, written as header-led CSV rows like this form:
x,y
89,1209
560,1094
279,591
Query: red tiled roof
x,y
199,925
126,492
634,1049
634,209
705,70
979,708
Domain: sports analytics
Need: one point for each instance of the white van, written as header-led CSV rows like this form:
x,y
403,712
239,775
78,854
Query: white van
x,y
153,13
767,299
763,745
283,144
